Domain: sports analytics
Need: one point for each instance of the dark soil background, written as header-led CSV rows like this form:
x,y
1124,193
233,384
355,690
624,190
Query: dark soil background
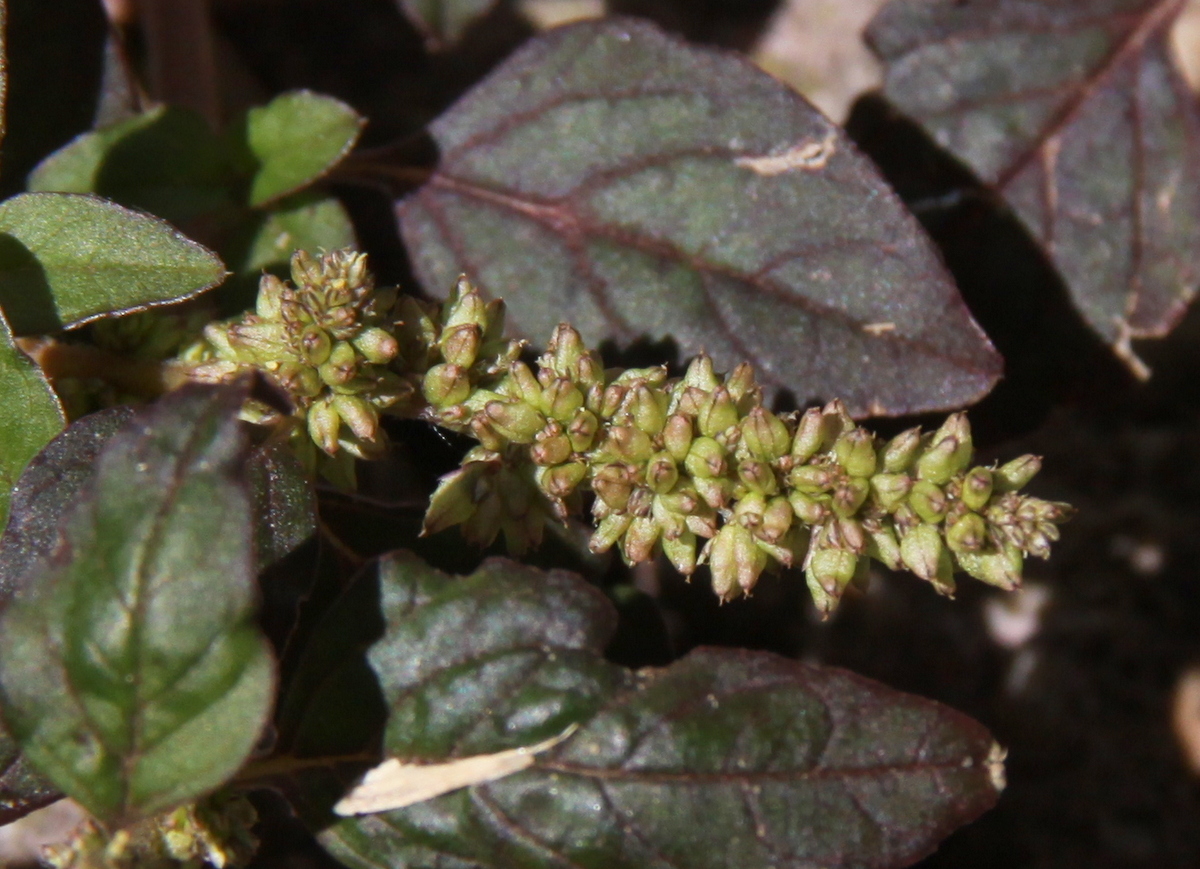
x,y
1096,774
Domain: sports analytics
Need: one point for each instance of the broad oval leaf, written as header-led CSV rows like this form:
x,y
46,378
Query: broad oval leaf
x,y
445,21
32,415
166,161
297,138
614,177
725,758
131,671
285,504
1076,113
50,484
67,259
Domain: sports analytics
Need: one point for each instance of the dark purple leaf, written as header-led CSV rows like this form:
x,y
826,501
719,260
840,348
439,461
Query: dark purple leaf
x,y
1076,114
614,177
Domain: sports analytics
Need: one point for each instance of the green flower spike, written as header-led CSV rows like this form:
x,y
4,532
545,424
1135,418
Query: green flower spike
x,y
673,465
694,467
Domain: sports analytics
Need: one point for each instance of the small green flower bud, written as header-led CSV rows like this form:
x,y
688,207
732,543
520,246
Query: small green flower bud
x,y
564,351
454,499
648,411
315,345
323,425
706,458
849,496
765,435
736,561
358,414
741,384
483,432
670,523
689,400
516,421
522,386
465,307
941,461
901,450
445,385
582,431
977,488
1016,474
716,491
848,534
929,501
700,374
553,450
890,490
298,380
758,476
638,543
270,296
562,480
968,533
776,520
811,479
810,435
627,443
677,436
661,473
562,400
614,397
681,552
610,529
682,501
827,574
460,344
1001,568
855,452
613,485
260,342
718,414
809,509
882,544
342,365
922,551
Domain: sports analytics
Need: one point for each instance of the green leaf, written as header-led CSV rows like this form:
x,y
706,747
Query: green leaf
x,y
67,259
131,671
445,21
165,161
297,138
31,417
1076,114
285,505
303,222
50,484
614,177
725,758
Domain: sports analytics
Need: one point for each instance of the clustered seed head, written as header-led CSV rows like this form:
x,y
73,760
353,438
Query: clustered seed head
x,y
216,831
327,340
672,463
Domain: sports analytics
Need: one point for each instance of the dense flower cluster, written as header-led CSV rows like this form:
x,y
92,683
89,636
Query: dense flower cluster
x,y
674,464
327,342
695,467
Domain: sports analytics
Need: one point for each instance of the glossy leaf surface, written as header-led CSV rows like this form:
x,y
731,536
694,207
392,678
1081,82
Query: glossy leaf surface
x,y
131,671
725,758
614,177
66,259
32,414
1076,114
297,138
284,503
